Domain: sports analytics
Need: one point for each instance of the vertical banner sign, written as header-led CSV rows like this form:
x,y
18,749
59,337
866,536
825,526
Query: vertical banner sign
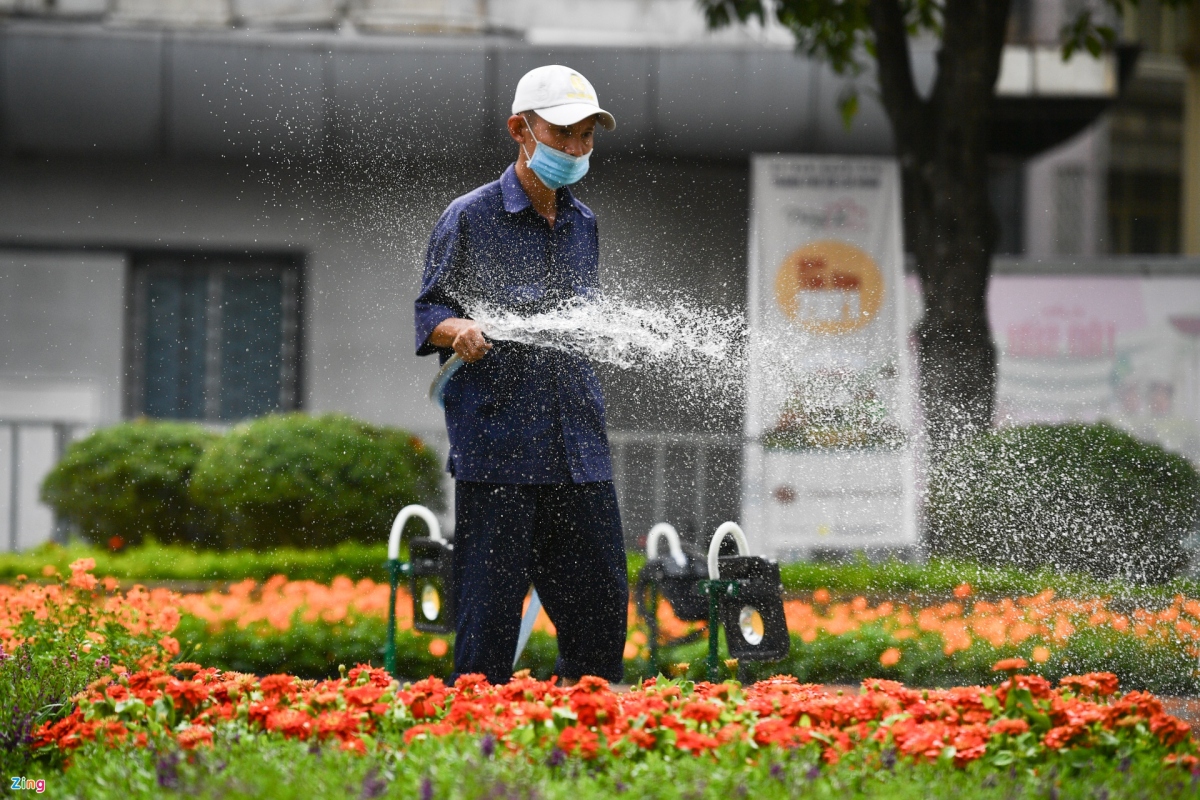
x,y
829,454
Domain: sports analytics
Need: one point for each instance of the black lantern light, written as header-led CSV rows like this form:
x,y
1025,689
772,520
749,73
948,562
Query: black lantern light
x,y
432,583
431,579
677,574
677,578
746,596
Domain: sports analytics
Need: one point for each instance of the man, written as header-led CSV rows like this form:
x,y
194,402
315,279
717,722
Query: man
x,y
534,498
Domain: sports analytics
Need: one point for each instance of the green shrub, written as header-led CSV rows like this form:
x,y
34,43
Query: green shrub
x,y
130,481
306,481
1076,498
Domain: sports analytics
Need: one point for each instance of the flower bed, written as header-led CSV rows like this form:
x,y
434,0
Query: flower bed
x,y
143,724
1021,721
308,628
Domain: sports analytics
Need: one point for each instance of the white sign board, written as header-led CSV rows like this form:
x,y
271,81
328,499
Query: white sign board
x,y
829,459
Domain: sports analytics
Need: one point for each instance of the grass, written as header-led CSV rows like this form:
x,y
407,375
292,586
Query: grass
x,y
269,767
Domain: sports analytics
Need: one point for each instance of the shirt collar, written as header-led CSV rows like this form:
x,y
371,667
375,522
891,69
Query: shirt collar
x,y
516,201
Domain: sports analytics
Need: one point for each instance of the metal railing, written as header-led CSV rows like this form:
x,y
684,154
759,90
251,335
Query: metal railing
x,y
63,432
688,479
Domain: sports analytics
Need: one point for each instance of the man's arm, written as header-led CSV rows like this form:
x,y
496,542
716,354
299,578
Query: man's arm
x,y
464,336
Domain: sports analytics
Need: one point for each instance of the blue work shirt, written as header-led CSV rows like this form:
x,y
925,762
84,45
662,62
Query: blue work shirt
x,y
521,414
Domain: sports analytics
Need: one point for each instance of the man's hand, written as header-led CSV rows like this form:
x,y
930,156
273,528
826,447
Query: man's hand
x,y
464,336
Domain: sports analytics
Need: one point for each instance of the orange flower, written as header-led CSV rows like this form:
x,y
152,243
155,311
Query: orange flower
x,y
1009,665
83,565
962,590
1040,654
438,647
890,657
821,595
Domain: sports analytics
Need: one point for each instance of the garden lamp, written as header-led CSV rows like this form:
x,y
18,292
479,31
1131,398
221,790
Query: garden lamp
x,y
677,578
745,594
677,575
431,579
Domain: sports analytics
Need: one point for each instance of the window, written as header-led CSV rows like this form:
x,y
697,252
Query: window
x,y
213,338
1143,211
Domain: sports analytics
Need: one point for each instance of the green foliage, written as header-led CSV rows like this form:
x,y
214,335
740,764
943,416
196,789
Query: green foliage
x,y
835,31
1076,498
307,649
153,562
1089,30
57,658
274,768
897,580
305,481
35,683
129,481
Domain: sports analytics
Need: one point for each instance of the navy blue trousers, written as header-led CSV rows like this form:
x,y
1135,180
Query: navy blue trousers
x,y
566,540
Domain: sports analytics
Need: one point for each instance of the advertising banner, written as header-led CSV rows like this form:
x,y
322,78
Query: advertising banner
x,y
1082,348
829,454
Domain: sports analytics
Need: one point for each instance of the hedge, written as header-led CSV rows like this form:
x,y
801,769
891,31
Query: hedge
x,y
305,481
129,482
286,480
938,578
1075,498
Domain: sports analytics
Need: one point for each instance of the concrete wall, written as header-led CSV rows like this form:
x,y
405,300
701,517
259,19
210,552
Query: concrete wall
x,y
60,361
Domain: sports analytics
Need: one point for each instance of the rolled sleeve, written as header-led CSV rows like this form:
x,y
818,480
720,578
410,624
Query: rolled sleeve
x,y
433,305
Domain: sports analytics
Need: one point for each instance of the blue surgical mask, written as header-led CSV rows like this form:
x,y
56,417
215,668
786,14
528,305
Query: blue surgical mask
x,y
553,167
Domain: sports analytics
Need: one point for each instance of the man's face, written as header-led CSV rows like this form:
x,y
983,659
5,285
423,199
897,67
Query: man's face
x,y
574,140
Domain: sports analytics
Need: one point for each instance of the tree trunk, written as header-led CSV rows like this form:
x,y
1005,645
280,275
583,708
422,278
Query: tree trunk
x,y
942,145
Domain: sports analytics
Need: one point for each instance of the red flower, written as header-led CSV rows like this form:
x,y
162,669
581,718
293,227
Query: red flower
x,y
277,686
1009,665
1010,727
471,683
377,676
695,742
1169,730
341,724
363,695
291,722
187,694
258,712
642,738
575,739
195,736
702,711
1059,737
354,745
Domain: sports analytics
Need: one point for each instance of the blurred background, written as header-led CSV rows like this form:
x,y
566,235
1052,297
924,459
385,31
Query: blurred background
x,y
213,210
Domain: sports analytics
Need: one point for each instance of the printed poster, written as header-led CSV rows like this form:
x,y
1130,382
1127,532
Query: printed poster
x,y
830,442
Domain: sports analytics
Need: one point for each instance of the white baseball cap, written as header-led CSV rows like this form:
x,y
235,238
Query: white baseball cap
x,y
561,96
